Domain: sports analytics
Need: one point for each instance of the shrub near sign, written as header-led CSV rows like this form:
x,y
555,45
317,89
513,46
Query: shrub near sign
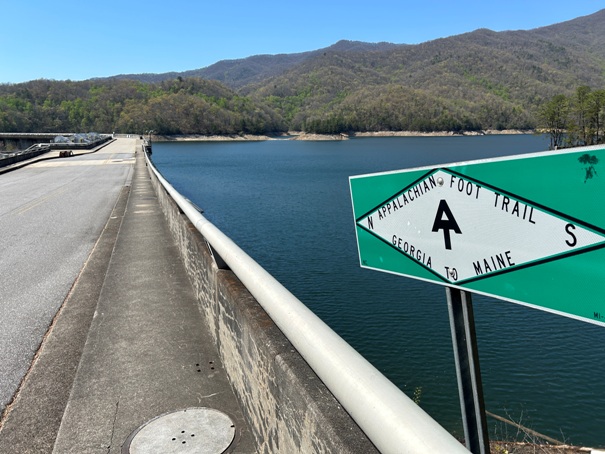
x,y
528,229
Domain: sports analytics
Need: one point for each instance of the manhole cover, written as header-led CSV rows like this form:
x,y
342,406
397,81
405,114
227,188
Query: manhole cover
x,y
195,430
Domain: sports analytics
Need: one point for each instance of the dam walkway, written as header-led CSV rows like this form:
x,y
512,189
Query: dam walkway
x,y
128,345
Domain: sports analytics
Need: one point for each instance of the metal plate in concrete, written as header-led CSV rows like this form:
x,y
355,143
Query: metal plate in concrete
x,y
194,430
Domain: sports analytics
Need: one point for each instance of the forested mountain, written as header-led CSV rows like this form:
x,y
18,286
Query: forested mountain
x,y
477,80
177,106
239,73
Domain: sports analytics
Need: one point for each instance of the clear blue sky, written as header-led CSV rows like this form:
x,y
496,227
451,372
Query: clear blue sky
x,y
78,39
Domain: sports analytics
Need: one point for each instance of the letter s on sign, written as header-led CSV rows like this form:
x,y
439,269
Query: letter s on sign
x,y
573,241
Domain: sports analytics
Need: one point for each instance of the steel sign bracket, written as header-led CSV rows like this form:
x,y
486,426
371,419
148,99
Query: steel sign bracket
x,y
466,356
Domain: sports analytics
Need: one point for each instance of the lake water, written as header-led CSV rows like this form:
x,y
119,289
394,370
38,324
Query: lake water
x,y
287,204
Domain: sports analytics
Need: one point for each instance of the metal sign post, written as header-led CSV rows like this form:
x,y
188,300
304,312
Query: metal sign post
x,y
466,356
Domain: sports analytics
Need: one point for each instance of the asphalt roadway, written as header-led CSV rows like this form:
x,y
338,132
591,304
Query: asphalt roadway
x,y
109,336
51,214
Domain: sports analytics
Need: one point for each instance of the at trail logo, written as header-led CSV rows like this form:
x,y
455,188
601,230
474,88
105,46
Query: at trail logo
x,y
447,224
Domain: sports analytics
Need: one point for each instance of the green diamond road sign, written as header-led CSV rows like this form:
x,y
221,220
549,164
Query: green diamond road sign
x,y
528,229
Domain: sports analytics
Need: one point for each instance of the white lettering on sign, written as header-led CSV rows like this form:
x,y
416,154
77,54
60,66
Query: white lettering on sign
x,y
462,231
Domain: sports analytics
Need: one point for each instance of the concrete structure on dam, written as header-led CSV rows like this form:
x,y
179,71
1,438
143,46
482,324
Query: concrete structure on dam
x,y
172,339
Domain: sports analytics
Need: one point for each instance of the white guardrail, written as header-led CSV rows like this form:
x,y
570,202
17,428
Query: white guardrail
x,y
390,419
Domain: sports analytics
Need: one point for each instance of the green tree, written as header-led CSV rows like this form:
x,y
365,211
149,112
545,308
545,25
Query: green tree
x,y
596,113
554,116
579,131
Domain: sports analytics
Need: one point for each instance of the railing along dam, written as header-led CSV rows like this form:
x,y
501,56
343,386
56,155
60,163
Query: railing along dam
x,y
297,381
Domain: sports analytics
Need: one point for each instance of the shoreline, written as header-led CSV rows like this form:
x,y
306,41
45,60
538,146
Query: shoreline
x,y
297,135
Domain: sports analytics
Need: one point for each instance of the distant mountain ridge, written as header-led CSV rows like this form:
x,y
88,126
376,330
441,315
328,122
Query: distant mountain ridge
x,y
240,72
586,32
583,34
473,81
477,80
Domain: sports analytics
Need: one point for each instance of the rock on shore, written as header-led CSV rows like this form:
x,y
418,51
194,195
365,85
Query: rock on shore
x,y
321,137
200,138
